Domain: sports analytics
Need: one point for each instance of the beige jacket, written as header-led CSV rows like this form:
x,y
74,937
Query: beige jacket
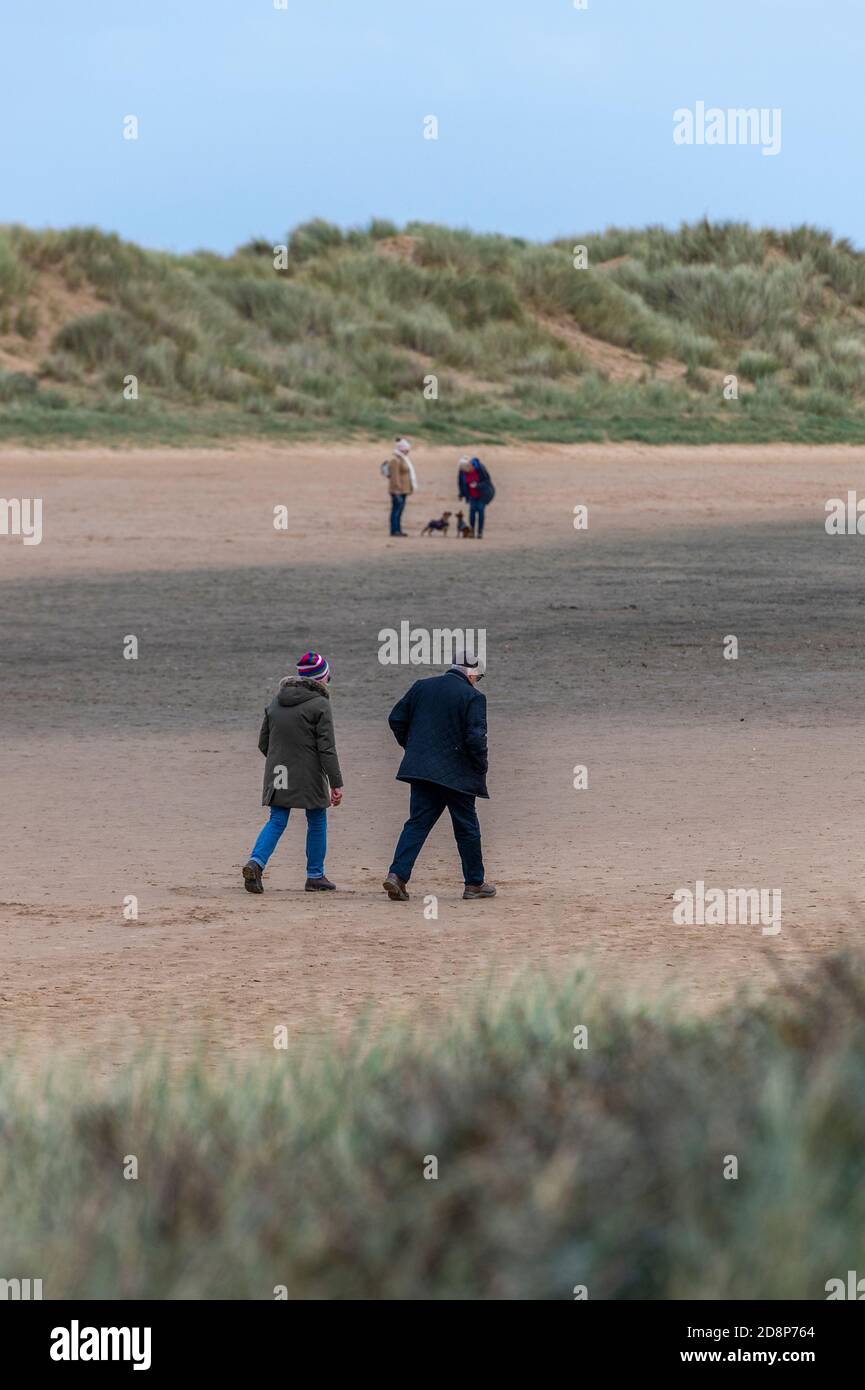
x,y
398,475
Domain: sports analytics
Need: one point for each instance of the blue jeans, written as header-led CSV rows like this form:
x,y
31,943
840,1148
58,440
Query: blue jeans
x,y
476,513
428,800
397,505
316,839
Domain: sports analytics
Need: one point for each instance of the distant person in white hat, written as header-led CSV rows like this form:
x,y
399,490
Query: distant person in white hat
x,y
401,480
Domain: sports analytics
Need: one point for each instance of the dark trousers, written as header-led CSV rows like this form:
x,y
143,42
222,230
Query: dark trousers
x,y
428,800
476,514
397,505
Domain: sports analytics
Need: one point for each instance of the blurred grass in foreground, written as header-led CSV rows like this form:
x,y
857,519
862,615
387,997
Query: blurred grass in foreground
x,y
556,1166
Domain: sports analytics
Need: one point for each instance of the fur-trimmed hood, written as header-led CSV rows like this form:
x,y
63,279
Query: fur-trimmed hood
x,y
298,741
294,690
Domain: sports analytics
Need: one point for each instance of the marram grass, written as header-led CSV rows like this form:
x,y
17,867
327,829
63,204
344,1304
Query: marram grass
x,y
606,1166
342,337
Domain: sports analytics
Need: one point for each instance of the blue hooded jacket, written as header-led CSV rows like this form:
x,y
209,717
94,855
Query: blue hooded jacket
x,y
488,491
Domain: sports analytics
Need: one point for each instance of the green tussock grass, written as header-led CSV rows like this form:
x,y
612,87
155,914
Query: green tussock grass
x,y
557,1167
339,337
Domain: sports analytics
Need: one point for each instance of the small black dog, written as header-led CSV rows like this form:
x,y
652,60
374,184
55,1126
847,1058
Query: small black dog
x,y
442,525
464,532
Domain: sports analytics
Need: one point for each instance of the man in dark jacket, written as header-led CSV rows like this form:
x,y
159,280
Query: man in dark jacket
x,y
442,725
302,770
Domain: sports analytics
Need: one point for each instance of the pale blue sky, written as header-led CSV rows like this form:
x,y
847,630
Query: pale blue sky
x,y
552,120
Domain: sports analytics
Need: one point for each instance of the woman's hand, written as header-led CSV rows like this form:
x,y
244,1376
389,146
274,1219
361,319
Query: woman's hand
x,y
336,796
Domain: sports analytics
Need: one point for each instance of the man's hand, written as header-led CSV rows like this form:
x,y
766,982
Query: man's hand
x,y
336,796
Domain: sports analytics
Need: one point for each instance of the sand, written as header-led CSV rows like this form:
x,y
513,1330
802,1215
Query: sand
x,y
605,648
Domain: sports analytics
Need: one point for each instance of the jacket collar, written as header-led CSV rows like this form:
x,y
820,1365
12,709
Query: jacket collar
x,y
304,683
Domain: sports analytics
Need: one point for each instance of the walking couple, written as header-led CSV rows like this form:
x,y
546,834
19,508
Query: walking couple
x,y
440,723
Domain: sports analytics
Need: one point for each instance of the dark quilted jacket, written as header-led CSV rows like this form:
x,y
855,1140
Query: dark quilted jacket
x,y
442,725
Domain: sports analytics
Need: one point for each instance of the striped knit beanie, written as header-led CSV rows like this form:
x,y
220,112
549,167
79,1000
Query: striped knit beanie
x,y
313,667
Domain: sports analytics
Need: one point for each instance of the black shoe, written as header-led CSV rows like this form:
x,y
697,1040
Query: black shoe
x,y
395,889
318,885
252,877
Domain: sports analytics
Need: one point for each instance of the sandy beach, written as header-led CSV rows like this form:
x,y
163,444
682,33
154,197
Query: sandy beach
x,y
604,648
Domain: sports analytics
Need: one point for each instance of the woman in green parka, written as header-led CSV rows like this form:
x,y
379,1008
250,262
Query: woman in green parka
x,y
302,770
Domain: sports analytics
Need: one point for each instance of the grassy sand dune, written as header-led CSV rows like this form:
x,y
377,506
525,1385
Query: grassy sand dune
x,y
342,332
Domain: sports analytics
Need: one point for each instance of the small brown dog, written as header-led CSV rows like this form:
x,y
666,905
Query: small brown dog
x,y
442,525
464,532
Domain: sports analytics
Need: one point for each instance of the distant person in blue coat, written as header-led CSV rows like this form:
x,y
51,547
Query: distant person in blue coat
x,y
475,487
441,722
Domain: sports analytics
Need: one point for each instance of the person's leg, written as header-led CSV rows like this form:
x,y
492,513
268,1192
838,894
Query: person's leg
x,y
269,836
467,833
403,498
482,506
394,513
427,803
316,842
473,512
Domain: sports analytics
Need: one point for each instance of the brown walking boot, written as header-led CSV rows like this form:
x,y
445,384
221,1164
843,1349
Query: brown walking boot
x,y
252,877
479,890
318,885
395,889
